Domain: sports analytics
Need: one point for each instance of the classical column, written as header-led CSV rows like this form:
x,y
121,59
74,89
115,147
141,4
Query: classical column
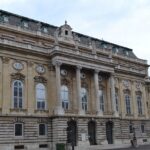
x,y
96,83
78,78
59,110
115,113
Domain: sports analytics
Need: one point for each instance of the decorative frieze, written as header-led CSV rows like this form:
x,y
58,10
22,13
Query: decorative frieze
x,y
18,76
40,79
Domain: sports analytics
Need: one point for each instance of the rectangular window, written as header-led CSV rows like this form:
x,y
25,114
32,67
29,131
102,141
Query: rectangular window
x,y
101,98
142,128
42,129
130,128
18,129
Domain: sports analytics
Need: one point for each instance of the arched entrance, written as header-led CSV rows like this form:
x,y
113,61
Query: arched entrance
x,y
72,132
109,132
92,132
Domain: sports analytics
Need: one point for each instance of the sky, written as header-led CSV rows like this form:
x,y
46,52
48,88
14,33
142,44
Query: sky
x,y
123,22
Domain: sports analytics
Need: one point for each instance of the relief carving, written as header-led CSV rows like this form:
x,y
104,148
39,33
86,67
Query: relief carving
x,y
40,79
18,76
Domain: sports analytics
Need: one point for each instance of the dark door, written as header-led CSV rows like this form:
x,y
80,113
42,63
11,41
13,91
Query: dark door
x,y
72,132
109,132
92,132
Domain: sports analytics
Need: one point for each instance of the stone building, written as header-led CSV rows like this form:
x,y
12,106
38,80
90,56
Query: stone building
x,y
60,87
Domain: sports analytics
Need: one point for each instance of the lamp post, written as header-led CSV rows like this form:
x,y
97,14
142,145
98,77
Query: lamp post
x,y
70,137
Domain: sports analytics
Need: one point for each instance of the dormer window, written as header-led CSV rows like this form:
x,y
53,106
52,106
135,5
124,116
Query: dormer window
x,y
127,53
104,46
66,32
45,30
6,19
25,24
116,50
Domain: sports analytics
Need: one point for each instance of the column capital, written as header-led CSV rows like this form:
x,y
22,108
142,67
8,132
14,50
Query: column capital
x,y
96,71
112,74
57,63
79,67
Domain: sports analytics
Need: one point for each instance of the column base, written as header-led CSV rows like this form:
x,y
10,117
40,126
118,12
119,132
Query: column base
x,y
59,111
81,112
116,114
99,113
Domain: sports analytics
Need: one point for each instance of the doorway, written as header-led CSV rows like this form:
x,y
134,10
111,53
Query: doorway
x,y
92,132
109,132
72,132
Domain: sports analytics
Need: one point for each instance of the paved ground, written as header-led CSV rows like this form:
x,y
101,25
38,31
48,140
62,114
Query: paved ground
x,y
144,147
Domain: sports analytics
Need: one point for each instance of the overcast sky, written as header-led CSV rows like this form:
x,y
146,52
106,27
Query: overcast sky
x,y
124,22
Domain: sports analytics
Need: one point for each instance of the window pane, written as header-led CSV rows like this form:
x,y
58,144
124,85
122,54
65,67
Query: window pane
x,y
15,91
64,96
18,129
40,92
20,92
38,105
43,105
20,102
15,102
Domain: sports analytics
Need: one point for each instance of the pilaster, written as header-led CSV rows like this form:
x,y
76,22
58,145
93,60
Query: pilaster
x,y
6,87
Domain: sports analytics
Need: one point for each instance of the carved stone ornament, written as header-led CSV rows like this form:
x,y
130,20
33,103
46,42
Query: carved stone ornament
x,y
40,69
18,76
18,66
40,79
63,72
116,81
83,76
126,83
100,78
138,85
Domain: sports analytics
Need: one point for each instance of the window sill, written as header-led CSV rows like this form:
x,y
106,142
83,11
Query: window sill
x,y
17,110
129,115
42,136
142,115
19,137
41,110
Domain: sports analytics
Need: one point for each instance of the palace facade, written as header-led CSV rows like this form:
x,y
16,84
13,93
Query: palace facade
x,y
59,87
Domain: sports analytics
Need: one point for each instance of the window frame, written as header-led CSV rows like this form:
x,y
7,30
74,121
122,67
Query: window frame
x,y
142,127
13,97
139,104
36,98
18,136
84,105
127,98
65,102
101,104
46,129
117,101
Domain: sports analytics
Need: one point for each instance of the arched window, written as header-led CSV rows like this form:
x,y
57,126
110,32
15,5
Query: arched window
x,y
17,94
101,99
65,96
84,98
139,104
128,105
40,96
